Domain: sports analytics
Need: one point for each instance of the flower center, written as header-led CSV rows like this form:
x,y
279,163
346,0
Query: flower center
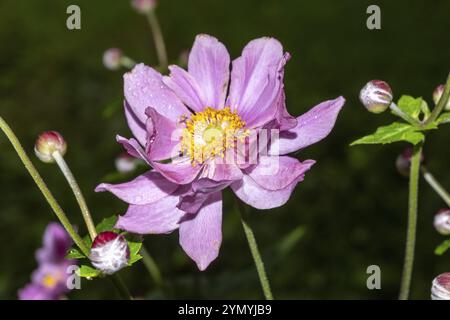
x,y
49,281
210,133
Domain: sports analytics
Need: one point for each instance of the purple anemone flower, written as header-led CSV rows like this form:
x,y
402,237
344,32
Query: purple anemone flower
x,y
49,280
195,128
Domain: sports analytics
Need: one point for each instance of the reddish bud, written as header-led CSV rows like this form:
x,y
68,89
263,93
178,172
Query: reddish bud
x,y
109,252
47,143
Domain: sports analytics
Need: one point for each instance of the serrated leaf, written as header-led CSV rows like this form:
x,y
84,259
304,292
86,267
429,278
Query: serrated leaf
x,y
75,254
392,133
444,118
411,106
440,249
88,272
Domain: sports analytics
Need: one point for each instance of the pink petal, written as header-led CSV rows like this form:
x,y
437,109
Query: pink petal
x,y
144,88
136,126
180,171
164,137
209,64
201,190
220,171
275,173
155,218
133,148
311,127
186,88
147,188
256,80
201,234
260,198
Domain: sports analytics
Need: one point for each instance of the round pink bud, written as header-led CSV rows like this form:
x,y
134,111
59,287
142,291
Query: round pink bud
x,y
437,94
376,96
442,221
403,162
109,252
48,143
143,6
440,288
112,58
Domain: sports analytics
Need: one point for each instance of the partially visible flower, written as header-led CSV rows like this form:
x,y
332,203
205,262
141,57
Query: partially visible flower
x,y
437,94
34,291
442,221
143,6
112,58
196,129
403,162
126,163
47,143
376,96
440,288
49,280
109,252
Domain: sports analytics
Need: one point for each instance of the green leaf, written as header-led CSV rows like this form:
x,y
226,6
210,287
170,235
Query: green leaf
x,y
74,253
442,247
135,245
444,118
106,224
88,272
392,133
410,105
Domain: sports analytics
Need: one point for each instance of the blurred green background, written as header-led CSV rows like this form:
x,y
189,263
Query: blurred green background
x,y
349,213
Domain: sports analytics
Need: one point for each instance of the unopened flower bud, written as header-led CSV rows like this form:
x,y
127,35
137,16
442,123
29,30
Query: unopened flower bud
x,y
437,94
440,288
143,6
126,163
442,221
48,143
376,96
109,252
112,58
403,162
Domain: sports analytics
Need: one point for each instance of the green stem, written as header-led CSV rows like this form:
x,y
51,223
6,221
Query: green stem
x,y
412,222
441,104
43,187
437,187
117,280
158,38
77,193
121,287
255,254
398,112
127,62
151,267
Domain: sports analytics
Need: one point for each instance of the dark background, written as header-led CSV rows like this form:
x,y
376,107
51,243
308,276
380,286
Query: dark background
x,y
349,213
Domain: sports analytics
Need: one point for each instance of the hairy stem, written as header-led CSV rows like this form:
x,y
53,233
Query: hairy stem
x,y
441,104
437,187
158,38
255,253
412,222
77,193
43,187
